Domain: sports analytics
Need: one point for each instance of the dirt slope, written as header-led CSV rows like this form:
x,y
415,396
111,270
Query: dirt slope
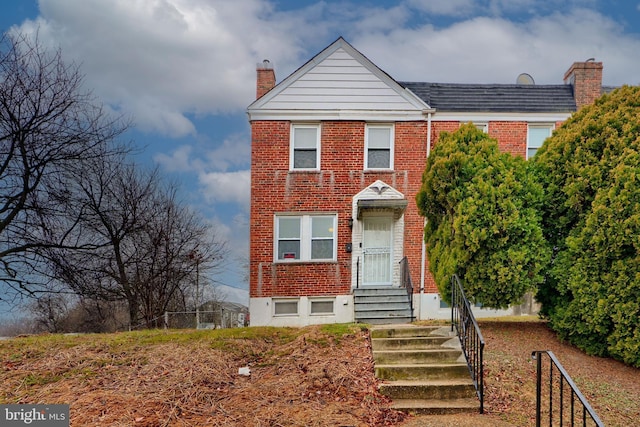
x,y
299,377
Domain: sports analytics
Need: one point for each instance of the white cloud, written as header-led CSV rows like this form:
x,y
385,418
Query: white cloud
x,y
178,161
234,151
224,187
160,59
496,50
447,8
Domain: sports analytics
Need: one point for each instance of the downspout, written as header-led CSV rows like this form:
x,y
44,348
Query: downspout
x,y
423,261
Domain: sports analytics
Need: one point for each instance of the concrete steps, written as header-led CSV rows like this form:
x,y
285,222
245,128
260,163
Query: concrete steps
x,y
382,305
423,370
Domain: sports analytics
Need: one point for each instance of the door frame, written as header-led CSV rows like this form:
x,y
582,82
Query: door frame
x,y
388,220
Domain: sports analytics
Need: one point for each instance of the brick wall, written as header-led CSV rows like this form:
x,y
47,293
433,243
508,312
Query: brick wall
x,y
511,136
275,189
266,79
586,78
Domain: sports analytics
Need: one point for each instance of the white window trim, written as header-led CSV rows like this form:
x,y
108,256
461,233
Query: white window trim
x,y
291,146
391,144
322,299
275,301
305,237
550,126
483,126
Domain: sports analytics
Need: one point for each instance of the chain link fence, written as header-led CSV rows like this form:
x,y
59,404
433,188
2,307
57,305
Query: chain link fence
x,y
215,319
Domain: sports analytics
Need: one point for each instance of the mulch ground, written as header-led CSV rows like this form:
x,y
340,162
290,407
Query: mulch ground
x,y
312,380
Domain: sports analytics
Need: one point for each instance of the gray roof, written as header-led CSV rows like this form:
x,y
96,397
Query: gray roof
x,y
498,98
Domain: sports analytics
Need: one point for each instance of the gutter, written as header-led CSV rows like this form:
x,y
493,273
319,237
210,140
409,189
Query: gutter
x,y
423,260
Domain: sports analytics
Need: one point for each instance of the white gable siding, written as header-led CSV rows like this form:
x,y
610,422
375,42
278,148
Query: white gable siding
x,y
339,82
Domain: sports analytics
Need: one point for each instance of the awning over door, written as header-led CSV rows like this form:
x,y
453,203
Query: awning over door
x,y
398,205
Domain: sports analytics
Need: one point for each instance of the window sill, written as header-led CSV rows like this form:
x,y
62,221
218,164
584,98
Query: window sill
x,y
298,261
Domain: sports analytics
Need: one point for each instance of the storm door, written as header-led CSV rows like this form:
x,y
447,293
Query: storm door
x,y
377,251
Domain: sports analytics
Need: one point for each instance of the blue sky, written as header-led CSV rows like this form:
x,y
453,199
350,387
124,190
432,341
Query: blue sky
x,y
184,70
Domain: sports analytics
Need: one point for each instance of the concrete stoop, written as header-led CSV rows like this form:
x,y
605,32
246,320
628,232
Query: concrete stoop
x,y
423,370
382,305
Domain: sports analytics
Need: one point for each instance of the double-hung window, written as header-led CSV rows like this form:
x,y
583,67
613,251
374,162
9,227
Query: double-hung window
x,y
305,238
536,135
378,147
305,147
484,127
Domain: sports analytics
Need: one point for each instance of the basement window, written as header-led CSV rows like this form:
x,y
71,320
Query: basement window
x,y
322,306
285,307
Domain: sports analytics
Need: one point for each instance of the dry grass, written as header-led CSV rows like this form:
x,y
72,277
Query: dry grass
x,y
315,376
306,377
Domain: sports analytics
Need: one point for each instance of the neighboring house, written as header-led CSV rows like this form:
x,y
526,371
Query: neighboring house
x,y
338,152
222,314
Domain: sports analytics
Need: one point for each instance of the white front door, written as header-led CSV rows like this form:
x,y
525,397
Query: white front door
x,y
376,248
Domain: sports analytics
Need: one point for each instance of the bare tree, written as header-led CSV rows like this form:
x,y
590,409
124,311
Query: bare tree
x,y
49,127
134,241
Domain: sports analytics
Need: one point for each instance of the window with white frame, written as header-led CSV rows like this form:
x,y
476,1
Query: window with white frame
x,y
536,135
285,307
378,147
305,147
484,127
305,238
322,306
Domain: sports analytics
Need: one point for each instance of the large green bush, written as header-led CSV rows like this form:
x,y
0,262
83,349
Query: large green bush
x,y
590,169
483,222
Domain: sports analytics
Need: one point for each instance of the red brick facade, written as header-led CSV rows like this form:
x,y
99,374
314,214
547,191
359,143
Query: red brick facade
x,y
586,79
276,189
332,190
266,79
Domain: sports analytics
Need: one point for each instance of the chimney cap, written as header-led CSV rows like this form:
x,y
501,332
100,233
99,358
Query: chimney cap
x,y
265,65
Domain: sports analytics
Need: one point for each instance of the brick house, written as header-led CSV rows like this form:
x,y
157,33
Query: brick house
x,y
338,151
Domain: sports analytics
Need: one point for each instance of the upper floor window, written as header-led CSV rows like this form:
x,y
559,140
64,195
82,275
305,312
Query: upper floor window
x,y
536,135
484,127
378,147
305,238
305,147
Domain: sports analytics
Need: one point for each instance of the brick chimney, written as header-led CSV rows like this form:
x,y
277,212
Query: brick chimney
x,y
586,79
266,78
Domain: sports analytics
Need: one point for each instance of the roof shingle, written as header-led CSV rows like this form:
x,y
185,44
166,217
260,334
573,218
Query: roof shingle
x,y
501,98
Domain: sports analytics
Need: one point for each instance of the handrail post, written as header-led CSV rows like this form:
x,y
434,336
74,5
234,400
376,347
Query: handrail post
x,y
452,300
405,281
538,387
468,332
564,379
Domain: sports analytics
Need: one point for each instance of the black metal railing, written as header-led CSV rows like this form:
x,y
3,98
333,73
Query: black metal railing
x,y
471,339
405,281
561,408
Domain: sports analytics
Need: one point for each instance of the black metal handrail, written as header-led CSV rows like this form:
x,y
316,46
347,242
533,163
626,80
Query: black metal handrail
x,y
405,281
471,339
561,411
